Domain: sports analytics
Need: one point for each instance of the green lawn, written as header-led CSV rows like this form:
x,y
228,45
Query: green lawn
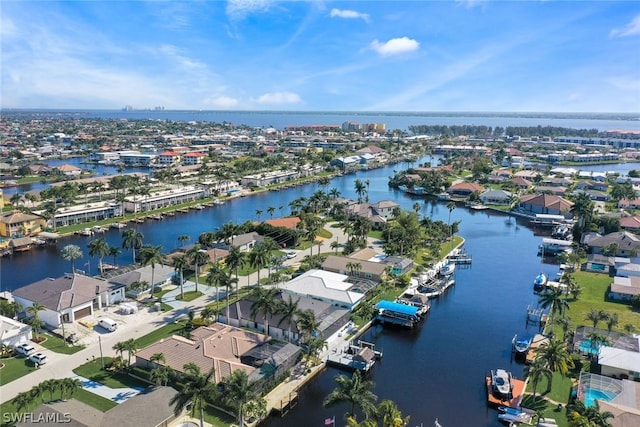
x,y
190,296
375,234
57,345
15,367
100,403
217,418
162,332
560,390
549,409
93,371
594,287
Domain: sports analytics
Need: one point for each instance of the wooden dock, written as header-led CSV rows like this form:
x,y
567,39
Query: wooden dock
x,y
536,316
517,393
536,342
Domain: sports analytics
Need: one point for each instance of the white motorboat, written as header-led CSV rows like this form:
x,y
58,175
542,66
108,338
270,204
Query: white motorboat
x,y
521,345
501,383
447,269
540,282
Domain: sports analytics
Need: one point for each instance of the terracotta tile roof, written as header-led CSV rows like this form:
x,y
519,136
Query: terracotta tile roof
x,y
17,217
290,222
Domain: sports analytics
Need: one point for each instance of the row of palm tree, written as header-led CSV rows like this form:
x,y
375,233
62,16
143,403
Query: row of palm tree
x,y
65,386
130,346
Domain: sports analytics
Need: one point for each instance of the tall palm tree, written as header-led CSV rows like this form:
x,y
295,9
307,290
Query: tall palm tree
x,y
227,282
151,255
235,259
198,257
259,257
71,253
208,313
360,188
131,347
183,238
180,263
120,348
197,389
100,248
554,300
214,277
307,324
69,386
271,210
132,239
289,310
612,321
555,354
238,392
36,322
595,316
157,359
23,400
160,376
354,391
264,303
114,251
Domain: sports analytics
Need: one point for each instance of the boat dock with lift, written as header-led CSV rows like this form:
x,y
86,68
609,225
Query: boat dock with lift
x,y
397,314
360,356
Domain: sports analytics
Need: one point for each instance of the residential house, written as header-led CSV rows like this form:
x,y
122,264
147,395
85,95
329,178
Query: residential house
x,y
18,224
226,349
629,203
378,213
556,182
168,158
332,288
464,189
619,363
395,264
628,244
162,275
624,288
69,298
13,332
630,223
556,191
247,241
38,169
597,263
290,222
192,158
545,204
68,170
522,183
330,318
375,271
496,197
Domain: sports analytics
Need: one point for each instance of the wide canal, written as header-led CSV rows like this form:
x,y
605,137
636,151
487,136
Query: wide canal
x,y
434,371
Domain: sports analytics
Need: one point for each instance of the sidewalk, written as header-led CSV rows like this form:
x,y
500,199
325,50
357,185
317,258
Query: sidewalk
x,y
117,395
207,291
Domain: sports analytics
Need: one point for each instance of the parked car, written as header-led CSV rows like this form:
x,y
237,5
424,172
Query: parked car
x,y
25,349
108,324
291,254
38,358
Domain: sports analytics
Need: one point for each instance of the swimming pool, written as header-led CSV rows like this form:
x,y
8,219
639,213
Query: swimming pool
x,y
585,347
593,394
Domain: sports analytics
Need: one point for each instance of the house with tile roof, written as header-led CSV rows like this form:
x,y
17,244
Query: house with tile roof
x,y
378,212
630,223
464,189
628,243
68,170
19,224
168,158
370,270
545,204
194,158
69,298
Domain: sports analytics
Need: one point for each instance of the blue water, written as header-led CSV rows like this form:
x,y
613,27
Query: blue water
x,y
586,348
593,394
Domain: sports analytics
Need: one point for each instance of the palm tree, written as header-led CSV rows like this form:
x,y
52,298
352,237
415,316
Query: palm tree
x,y
151,255
114,251
198,257
183,238
355,391
555,354
538,370
451,207
214,277
289,311
120,347
100,248
227,282
596,340
335,245
352,267
259,257
160,376
208,313
554,301
71,253
197,389
271,210
307,324
596,316
235,259
238,392
360,188
180,262
157,359
388,413
131,347
36,322
69,386
264,302
612,321
258,214
23,400
132,239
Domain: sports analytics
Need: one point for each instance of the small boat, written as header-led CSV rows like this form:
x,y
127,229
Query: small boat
x,y
117,225
85,232
501,383
521,346
514,418
510,410
444,197
98,229
540,282
447,269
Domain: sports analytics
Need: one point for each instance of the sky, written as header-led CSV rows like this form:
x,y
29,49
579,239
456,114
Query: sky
x,y
480,56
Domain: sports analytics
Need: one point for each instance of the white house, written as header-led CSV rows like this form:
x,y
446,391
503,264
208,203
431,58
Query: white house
x,y
496,197
620,363
624,288
326,286
68,298
13,332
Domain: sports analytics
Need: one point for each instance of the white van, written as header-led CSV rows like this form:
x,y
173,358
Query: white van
x,y
108,324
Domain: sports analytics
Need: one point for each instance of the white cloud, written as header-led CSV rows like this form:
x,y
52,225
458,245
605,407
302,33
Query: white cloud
x,y
349,14
470,4
222,101
631,29
279,98
395,46
238,9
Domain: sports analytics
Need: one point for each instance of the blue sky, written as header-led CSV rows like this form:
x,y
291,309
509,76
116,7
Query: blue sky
x,y
543,56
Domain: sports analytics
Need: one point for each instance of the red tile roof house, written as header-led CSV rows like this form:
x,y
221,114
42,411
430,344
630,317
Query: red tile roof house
x,y
464,189
629,203
68,170
630,223
168,158
545,204
192,158
69,298
225,349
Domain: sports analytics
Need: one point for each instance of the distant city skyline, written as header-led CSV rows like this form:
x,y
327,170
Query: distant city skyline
x,y
472,55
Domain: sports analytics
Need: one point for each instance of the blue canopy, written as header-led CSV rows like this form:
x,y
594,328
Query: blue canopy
x,y
408,310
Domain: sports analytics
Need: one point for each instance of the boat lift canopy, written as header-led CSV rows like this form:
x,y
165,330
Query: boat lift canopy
x,y
405,309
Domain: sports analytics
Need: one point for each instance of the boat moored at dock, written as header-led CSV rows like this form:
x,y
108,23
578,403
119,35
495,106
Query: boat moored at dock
x,y
360,356
397,314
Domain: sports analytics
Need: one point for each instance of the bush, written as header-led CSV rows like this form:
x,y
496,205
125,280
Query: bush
x,y
157,289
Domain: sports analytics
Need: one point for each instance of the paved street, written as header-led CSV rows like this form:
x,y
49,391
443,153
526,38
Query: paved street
x,y
98,341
